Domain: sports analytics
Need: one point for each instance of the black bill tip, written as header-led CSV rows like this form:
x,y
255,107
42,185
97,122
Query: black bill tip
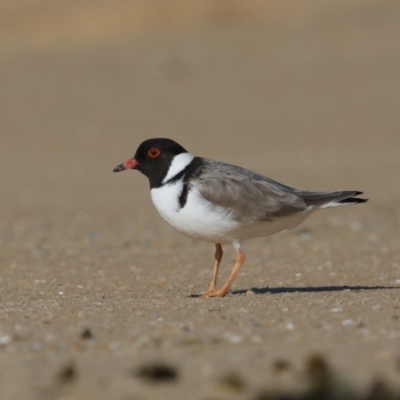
x,y
119,168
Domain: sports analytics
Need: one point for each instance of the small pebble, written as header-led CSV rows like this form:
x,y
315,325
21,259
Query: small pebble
x,y
5,340
87,334
48,337
281,365
115,347
256,339
37,346
346,322
157,373
233,338
318,369
393,335
67,373
232,381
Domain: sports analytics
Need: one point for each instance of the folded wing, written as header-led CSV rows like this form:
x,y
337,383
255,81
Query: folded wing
x,y
251,197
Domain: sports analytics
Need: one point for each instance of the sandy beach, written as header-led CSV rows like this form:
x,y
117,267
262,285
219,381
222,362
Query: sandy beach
x,y
96,287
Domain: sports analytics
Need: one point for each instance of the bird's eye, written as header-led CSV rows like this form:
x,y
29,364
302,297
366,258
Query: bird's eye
x,y
154,152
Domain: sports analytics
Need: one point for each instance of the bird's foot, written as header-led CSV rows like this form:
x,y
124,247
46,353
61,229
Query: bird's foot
x,y
214,293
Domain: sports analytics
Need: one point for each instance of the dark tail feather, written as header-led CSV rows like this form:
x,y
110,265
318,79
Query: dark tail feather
x,y
353,200
321,199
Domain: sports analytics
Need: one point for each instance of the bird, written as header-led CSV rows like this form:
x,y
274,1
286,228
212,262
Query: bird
x,y
221,203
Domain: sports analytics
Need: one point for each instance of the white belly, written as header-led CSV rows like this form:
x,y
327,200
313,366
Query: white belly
x,y
200,219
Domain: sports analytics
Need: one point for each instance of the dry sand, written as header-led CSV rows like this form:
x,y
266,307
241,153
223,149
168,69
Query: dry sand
x,y
311,102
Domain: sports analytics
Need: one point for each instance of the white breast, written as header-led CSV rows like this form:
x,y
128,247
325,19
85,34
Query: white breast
x,y
198,218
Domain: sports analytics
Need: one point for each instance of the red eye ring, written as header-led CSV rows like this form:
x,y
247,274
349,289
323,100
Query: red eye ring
x,y
154,152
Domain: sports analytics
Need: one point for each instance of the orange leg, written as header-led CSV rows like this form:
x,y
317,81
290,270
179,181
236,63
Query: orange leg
x,y
213,285
225,289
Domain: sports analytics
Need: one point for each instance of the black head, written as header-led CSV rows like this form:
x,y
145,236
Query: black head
x,y
153,159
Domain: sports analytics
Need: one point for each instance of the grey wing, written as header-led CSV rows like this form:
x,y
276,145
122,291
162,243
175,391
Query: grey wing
x,y
248,196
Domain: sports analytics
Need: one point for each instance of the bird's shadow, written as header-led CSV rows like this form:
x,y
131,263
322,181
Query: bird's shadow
x,y
306,289
311,289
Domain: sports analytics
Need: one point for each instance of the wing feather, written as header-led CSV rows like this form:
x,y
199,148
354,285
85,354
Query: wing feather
x,y
248,196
